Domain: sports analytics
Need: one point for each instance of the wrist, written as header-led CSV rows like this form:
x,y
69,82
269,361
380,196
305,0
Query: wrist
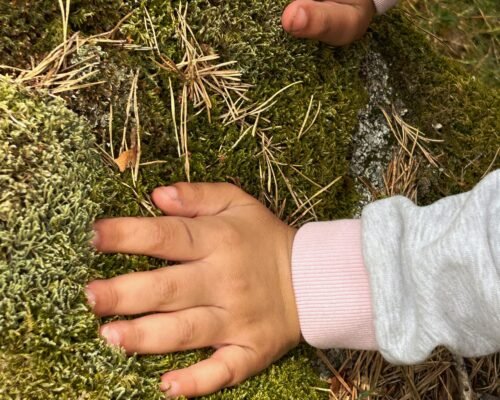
x,y
287,289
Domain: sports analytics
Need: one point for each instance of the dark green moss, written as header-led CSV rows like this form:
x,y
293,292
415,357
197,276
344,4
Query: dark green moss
x,y
462,31
436,91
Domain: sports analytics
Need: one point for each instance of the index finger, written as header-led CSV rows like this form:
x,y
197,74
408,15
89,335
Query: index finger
x,y
169,238
199,199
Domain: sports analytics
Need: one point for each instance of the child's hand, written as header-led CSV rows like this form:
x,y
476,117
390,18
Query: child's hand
x,y
233,290
336,22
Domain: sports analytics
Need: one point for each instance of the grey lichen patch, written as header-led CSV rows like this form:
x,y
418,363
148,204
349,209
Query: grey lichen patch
x,y
372,141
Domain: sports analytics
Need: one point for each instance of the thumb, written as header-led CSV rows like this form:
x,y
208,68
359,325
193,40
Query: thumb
x,y
198,199
335,23
227,367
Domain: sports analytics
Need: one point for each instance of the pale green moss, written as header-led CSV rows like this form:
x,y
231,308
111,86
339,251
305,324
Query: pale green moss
x,y
52,182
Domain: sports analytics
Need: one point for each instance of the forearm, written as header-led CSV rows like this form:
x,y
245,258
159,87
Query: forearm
x,y
434,277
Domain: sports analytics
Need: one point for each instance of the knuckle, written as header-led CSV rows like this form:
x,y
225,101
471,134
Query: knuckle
x,y
187,231
325,26
181,187
196,192
186,332
232,238
135,336
229,373
237,284
162,235
110,298
231,189
189,192
103,240
168,289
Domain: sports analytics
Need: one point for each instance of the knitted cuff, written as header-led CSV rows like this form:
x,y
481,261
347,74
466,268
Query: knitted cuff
x,y
331,286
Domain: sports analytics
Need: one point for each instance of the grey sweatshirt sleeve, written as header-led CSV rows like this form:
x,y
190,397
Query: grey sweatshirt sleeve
x,y
435,273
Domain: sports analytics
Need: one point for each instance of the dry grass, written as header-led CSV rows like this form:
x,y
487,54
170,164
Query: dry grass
x,y
467,31
366,375
201,75
56,73
53,74
411,153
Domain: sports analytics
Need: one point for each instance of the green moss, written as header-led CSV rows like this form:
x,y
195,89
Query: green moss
x,y
270,60
31,28
438,91
51,190
57,183
464,31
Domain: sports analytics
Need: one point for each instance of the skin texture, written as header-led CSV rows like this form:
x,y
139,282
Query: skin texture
x,y
337,22
232,290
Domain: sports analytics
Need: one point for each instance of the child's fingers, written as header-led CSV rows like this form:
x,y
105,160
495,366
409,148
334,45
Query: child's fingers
x,y
170,238
190,329
328,21
198,199
228,366
166,289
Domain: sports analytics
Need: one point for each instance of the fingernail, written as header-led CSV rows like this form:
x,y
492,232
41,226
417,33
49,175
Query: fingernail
x,y
95,238
111,336
171,389
169,192
300,20
90,297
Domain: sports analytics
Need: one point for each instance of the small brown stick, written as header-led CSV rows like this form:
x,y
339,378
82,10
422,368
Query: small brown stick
x,y
327,362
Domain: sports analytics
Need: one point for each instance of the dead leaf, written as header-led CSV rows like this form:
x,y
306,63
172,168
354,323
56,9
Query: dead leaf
x,y
335,385
126,159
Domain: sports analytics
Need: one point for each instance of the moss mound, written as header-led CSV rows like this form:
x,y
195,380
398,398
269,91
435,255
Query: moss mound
x,y
51,182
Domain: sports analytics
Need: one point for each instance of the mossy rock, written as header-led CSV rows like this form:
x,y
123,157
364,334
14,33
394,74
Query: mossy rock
x,y
58,184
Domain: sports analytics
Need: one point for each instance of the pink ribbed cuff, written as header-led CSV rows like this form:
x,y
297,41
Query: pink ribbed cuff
x,y
331,286
383,5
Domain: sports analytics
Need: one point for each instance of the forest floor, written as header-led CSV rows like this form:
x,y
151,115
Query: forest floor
x,y
315,133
